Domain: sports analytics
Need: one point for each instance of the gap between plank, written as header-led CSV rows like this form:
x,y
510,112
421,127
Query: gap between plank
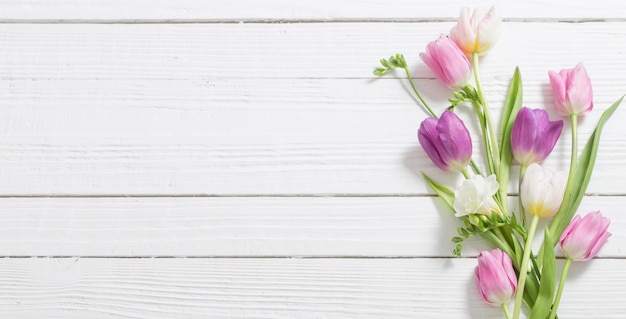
x,y
260,257
287,21
278,195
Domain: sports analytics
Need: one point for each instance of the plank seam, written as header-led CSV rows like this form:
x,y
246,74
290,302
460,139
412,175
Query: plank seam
x,y
294,21
278,195
259,257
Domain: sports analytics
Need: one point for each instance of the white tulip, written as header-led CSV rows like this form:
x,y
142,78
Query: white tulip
x,y
542,191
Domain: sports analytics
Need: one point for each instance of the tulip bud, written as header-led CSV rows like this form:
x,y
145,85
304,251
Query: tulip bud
x,y
583,237
495,277
448,62
475,196
446,141
572,91
478,32
542,191
533,136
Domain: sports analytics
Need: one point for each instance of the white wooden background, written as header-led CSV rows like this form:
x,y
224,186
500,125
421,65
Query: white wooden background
x,y
238,159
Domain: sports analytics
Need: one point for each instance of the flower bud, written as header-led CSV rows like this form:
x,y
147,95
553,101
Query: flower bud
x,y
572,91
448,62
446,141
478,32
583,237
475,196
495,277
533,136
542,191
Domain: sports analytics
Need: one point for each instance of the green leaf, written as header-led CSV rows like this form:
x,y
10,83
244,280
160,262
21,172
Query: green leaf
x,y
442,191
584,168
547,287
512,105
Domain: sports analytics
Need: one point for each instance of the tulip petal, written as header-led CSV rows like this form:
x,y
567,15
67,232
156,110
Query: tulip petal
x,y
523,135
428,138
454,136
548,138
583,237
448,62
495,277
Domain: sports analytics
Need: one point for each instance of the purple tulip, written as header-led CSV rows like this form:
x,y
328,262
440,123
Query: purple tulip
x,y
448,62
572,91
495,277
533,136
446,141
583,237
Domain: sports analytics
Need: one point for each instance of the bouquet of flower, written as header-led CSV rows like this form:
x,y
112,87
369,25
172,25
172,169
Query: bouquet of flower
x,y
527,136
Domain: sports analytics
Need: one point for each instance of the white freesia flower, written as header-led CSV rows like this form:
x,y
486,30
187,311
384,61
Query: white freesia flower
x,y
542,191
475,196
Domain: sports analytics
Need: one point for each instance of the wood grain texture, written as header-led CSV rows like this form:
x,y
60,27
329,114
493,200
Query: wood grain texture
x,y
160,110
173,99
219,227
284,10
296,51
276,288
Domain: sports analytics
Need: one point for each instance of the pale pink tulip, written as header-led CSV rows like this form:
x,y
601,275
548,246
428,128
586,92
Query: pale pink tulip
x,y
478,32
572,91
448,62
583,237
495,277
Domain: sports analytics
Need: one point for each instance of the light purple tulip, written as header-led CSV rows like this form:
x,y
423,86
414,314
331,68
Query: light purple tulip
x,y
572,91
533,135
583,237
448,62
446,141
495,277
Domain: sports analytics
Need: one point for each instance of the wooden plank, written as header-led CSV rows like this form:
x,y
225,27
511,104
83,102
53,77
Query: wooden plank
x,y
301,51
336,226
277,288
220,10
245,136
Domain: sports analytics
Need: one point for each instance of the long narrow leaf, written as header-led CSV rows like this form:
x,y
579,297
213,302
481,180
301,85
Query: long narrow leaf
x,y
543,304
582,176
512,105
442,191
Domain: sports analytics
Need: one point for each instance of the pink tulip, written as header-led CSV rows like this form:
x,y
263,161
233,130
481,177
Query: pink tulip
x,y
533,136
495,277
583,237
446,141
478,32
572,91
448,62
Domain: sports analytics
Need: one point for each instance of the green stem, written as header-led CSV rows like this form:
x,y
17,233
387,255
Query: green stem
x,y
557,300
524,267
495,241
419,96
520,207
490,129
558,218
505,308
570,179
485,134
465,173
475,167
